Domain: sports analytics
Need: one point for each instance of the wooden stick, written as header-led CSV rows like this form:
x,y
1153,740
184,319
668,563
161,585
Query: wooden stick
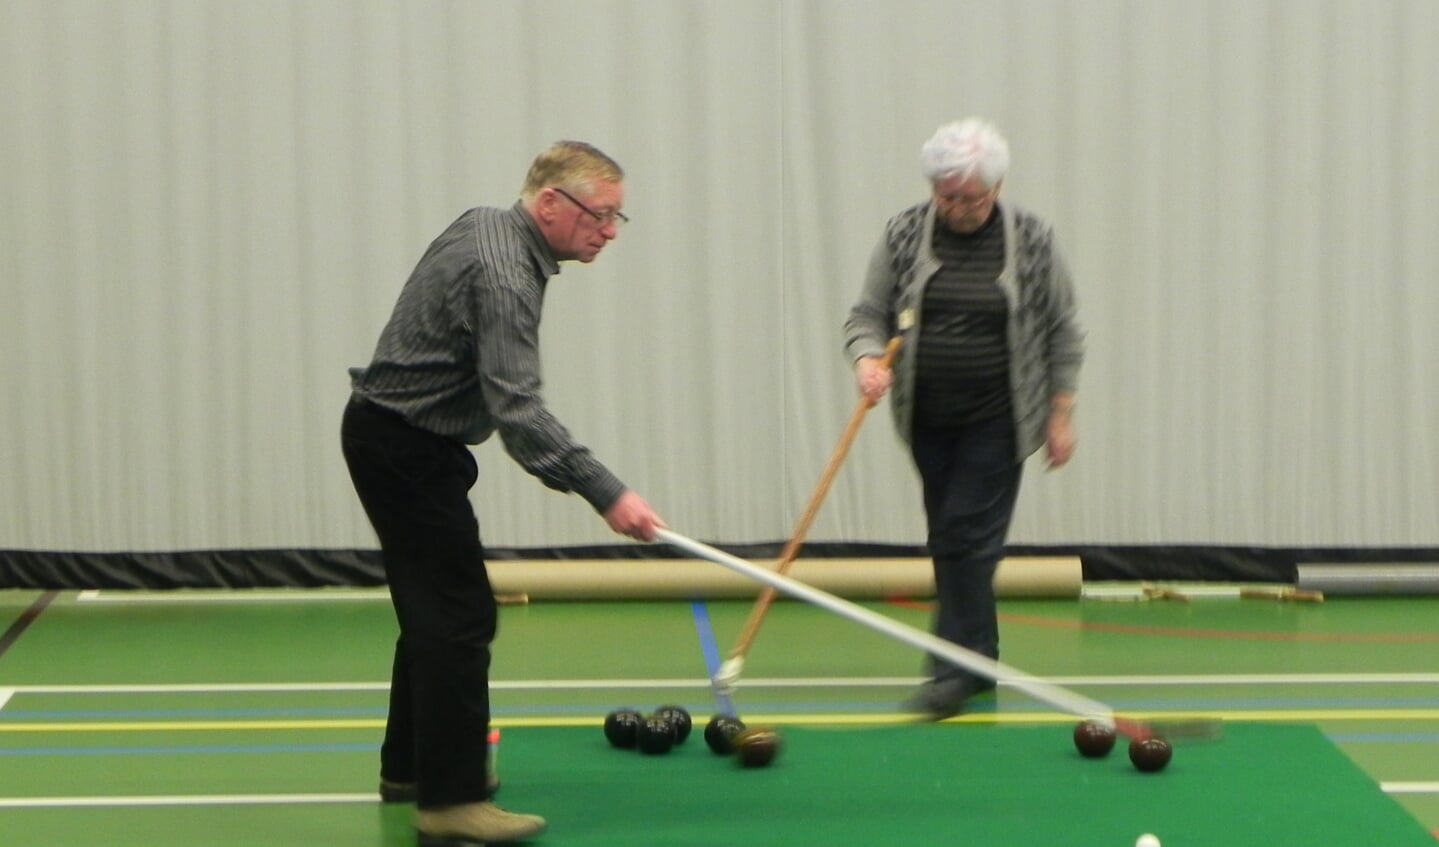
x,y
1155,592
729,672
1300,595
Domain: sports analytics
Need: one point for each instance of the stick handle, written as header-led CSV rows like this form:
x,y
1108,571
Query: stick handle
x,y
801,529
1061,698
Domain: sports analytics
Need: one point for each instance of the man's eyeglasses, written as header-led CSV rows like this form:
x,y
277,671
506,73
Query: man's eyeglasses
x,y
617,218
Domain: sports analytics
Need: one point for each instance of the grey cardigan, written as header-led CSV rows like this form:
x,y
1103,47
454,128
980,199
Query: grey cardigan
x,y
1046,342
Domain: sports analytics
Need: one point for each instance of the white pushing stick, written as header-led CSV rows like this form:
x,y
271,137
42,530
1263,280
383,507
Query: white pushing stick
x,y
1056,696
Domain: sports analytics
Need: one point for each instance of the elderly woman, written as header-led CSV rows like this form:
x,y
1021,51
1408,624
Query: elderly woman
x,y
986,374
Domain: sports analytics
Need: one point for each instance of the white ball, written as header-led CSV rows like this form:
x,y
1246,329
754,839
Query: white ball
x,y
1147,840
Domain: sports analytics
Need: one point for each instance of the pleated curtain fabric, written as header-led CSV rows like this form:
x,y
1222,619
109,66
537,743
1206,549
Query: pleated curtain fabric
x,y
209,208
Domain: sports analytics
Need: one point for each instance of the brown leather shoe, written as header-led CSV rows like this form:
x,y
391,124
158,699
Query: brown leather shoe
x,y
474,825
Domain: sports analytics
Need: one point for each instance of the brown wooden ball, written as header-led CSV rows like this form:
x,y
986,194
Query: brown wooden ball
x,y
756,747
1150,754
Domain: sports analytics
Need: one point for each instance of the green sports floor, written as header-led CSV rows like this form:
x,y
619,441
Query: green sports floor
x,y
254,717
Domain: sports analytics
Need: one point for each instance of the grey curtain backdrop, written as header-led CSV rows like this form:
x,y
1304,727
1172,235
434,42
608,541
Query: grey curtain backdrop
x,y
209,208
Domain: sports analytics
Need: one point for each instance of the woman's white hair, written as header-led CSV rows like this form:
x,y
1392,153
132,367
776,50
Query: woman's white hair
x,y
971,147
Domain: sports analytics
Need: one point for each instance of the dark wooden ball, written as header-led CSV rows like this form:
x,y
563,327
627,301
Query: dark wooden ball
x,y
679,718
720,733
1093,739
622,728
656,735
1150,754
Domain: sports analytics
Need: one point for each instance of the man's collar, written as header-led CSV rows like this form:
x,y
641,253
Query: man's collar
x,y
534,239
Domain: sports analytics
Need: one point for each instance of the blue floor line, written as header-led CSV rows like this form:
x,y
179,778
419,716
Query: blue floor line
x,y
709,647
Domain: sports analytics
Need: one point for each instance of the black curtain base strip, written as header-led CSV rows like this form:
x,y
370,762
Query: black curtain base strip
x,y
314,568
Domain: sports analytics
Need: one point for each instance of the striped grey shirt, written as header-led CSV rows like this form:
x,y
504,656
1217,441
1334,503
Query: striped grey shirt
x,y
459,356
962,356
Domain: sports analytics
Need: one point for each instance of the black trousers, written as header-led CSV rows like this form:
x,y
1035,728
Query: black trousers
x,y
971,483
414,486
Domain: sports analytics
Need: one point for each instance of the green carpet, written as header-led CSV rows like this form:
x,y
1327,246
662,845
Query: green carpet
x,y
1000,786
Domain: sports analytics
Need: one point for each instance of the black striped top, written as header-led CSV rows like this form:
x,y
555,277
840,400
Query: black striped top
x,y
460,354
962,364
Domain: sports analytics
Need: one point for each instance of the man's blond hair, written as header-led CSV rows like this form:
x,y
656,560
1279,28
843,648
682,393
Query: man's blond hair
x,y
572,165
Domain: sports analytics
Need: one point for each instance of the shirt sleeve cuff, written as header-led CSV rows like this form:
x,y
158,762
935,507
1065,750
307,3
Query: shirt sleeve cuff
x,y
602,491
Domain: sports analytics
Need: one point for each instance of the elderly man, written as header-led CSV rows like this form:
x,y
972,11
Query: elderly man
x,y
458,362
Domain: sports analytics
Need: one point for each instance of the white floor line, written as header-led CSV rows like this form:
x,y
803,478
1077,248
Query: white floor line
x,y
201,688
232,595
1254,679
1156,680
315,799
755,683
1410,787
184,800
